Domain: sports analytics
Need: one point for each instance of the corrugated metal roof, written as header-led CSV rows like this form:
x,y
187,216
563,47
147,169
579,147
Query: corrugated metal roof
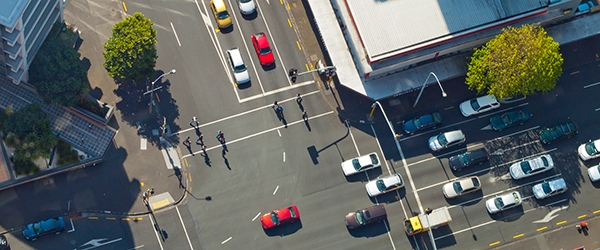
x,y
387,26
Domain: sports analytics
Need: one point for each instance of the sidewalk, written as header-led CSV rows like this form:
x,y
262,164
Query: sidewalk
x,y
146,165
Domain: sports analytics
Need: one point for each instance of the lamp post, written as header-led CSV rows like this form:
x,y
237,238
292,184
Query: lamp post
x,y
375,104
152,89
427,212
423,87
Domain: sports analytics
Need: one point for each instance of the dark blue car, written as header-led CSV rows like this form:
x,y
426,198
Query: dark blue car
x,y
510,118
422,122
49,226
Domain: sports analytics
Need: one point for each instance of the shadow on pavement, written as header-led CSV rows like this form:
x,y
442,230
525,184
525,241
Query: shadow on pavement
x,y
284,230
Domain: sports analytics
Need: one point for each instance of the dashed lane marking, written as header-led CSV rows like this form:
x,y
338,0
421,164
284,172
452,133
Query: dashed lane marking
x,y
518,236
541,229
597,211
561,222
92,217
494,243
581,216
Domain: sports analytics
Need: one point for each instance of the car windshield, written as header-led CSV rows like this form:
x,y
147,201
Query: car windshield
x,y
464,159
475,182
417,122
442,139
590,148
505,118
265,50
240,68
516,196
546,187
37,228
223,15
545,161
360,218
408,226
245,1
475,104
380,185
292,212
498,202
356,164
457,187
374,159
274,218
526,167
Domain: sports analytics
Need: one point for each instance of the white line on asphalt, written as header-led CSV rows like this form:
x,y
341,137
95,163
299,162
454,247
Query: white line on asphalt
x,y
279,132
273,42
277,188
286,88
225,241
556,202
283,156
155,232
486,169
184,229
245,113
253,219
597,109
518,132
72,226
175,32
591,85
262,132
387,166
353,141
137,247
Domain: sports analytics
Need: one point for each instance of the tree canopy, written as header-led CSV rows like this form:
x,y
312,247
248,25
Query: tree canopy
x,y
28,132
58,75
519,61
130,52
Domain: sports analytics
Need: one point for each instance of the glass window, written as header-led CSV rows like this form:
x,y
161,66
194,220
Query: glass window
x,y
475,104
380,185
499,203
526,167
374,159
457,187
274,218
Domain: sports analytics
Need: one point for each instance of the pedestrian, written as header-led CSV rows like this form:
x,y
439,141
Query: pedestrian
x,y
194,120
224,152
200,140
220,136
187,142
275,105
299,98
304,116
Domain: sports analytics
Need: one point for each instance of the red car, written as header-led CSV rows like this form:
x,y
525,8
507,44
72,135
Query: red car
x,y
280,217
262,48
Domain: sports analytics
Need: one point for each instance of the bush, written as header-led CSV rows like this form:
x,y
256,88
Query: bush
x,y
66,154
26,167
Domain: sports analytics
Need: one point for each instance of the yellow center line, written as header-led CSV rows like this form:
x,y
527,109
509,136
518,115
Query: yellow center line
x,y
299,47
541,228
518,236
139,218
125,218
561,222
494,243
581,216
281,1
111,218
290,22
597,211
190,176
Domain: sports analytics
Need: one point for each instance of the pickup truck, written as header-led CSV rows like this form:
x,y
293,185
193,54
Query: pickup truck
x,y
424,222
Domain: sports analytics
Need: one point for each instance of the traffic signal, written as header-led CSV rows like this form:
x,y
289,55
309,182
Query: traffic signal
x,y
293,74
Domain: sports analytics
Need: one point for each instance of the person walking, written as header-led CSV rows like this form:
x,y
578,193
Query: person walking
x,y
299,99
275,105
304,116
194,120
187,142
220,136
200,140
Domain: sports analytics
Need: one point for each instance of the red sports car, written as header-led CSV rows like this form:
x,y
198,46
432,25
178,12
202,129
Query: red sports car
x,y
262,48
280,217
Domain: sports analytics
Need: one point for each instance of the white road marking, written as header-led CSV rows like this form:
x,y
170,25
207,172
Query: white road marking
x,y
597,109
518,132
353,141
184,229
156,233
591,85
175,32
225,241
277,188
72,226
255,217
254,97
279,132
550,216
283,156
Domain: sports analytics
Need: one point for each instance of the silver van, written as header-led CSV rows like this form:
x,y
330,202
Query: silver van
x,y
240,71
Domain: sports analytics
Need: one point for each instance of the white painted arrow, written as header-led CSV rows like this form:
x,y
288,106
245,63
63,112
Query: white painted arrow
x,y
551,215
488,127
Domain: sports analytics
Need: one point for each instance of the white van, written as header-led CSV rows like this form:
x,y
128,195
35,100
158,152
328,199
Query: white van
x,y
240,71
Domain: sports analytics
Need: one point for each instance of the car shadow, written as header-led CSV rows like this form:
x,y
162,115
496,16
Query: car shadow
x,y
250,17
284,230
245,85
390,197
226,30
478,170
361,177
371,230
445,232
467,199
509,215
269,67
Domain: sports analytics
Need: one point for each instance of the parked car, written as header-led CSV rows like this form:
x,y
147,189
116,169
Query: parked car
x,y
263,49
220,13
50,226
531,166
384,184
236,62
4,245
503,202
478,105
461,186
594,173
589,150
361,164
510,118
366,216
446,140
247,7
422,122
552,134
280,217
549,188
468,159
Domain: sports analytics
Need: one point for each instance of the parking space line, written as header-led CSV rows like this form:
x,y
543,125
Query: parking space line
x,y
225,241
155,232
591,85
353,140
253,219
494,243
184,229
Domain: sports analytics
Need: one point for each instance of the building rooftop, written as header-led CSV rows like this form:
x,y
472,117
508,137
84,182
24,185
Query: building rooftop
x,y
386,28
10,10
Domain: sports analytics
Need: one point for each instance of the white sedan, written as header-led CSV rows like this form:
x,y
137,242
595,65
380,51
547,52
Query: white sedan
x,y
594,173
589,150
462,186
361,164
384,185
503,202
446,140
531,167
549,188
478,105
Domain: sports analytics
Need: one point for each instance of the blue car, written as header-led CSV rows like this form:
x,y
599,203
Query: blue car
x,y
49,226
422,122
510,118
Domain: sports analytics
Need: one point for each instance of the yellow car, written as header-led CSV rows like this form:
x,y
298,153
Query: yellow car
x,y
221,14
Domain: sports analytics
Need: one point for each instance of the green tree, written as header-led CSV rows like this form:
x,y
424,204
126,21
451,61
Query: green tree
x,y
58,75
28,132
517,61
130,52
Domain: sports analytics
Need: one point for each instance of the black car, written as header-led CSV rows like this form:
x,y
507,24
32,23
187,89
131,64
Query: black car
x,y
552,134
422,122
468,159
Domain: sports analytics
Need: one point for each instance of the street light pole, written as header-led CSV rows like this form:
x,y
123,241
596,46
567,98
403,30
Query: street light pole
x,y
427,212
423,87
152,88
376,103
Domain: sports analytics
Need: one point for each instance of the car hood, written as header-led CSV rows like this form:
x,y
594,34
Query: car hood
x,y
491,206
351,221
466,109
28,232
348,168
434,144
594,173
515,171
267,58
242,77
409,126
247,8
372,189
538,191
449,191
266,221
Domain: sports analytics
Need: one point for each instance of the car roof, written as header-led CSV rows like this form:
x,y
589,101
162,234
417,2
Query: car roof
x,y
219,4
486,99
557,183
537,162
235,56
508,198
467,183
455,135
365,160
374,211
392,180
261,39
